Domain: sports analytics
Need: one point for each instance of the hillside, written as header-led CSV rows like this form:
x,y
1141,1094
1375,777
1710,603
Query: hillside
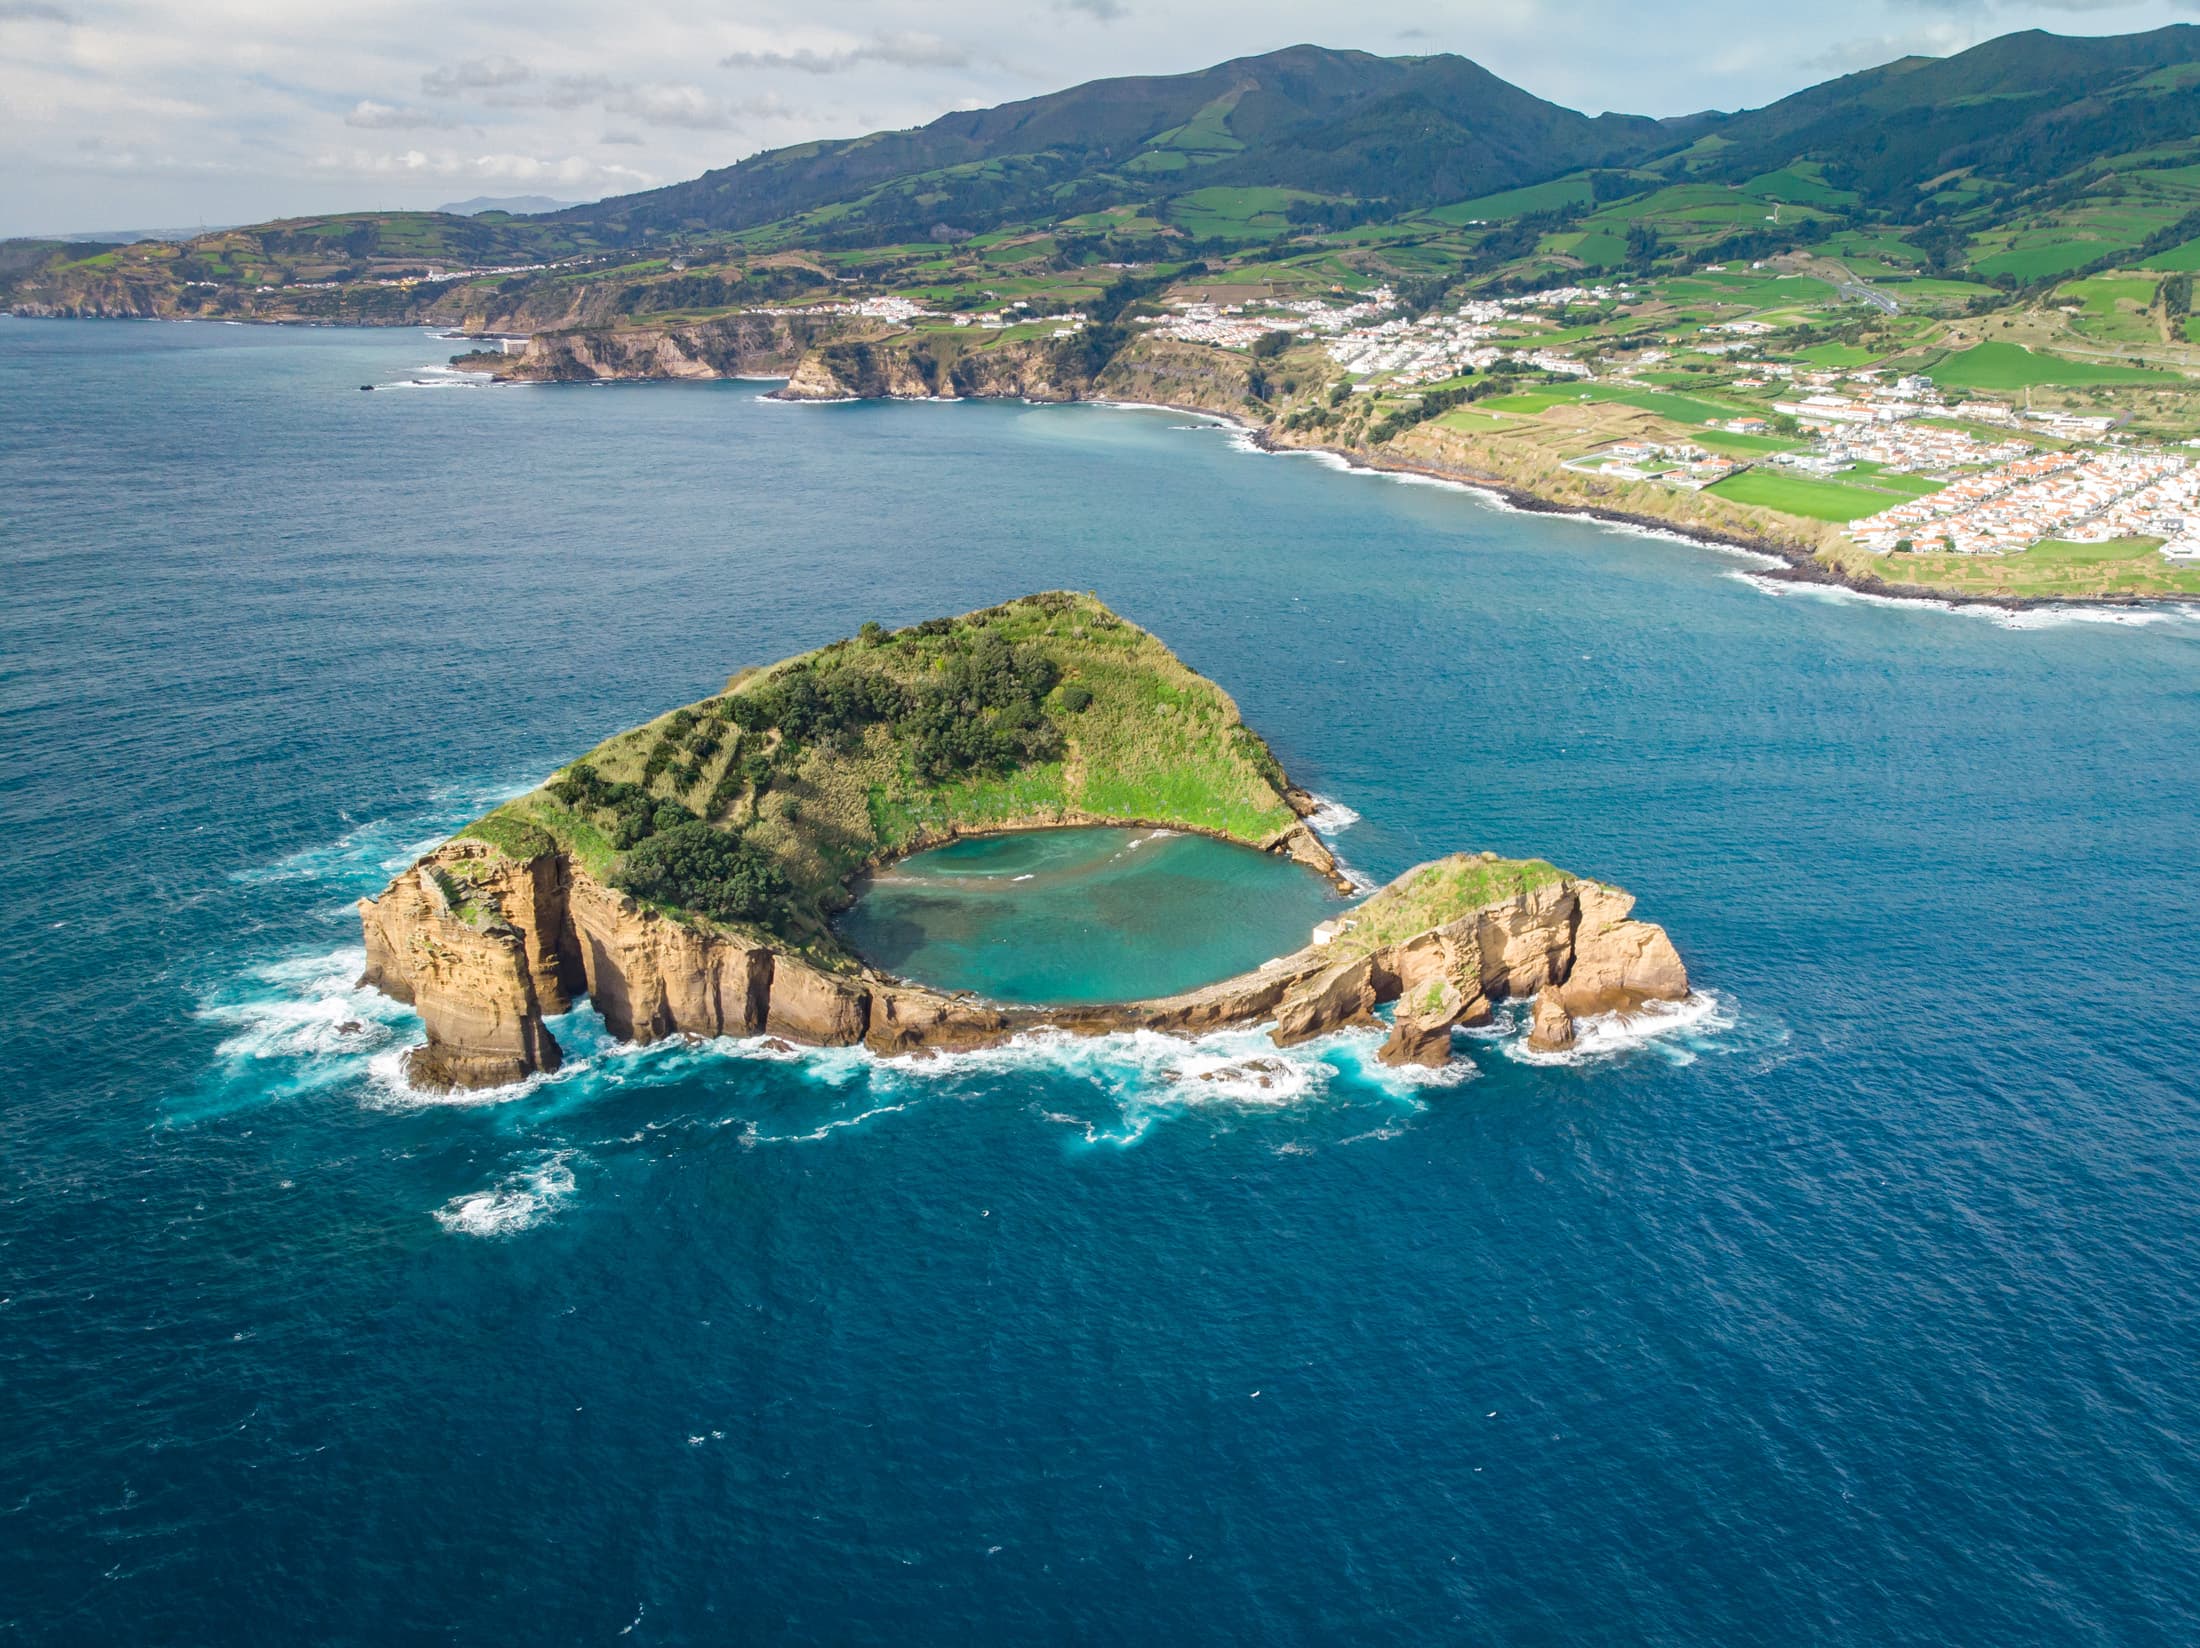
x,y
756,807
1416,131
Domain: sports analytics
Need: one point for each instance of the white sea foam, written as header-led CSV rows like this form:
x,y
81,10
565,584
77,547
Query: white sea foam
x,y
306,1007
519,1201
824,1129
1676,1030
2001,617
1330,817
441,377
380,847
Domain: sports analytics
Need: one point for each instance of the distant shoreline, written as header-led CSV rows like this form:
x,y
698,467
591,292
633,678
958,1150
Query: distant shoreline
x,y
1791,566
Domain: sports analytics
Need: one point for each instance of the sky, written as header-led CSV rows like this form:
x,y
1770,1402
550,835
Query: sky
x,y
148,114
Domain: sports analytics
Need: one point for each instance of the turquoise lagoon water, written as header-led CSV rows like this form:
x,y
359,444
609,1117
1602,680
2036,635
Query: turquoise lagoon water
x,y
1859,1307
1085,915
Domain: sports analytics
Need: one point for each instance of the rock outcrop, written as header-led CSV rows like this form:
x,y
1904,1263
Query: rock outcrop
x,y
484,946
1552,1029
751,343
919,368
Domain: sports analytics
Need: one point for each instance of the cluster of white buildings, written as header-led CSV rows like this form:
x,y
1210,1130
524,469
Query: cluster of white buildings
x,y
1918,447
2086,497
2071,426
1224,326
1869,401
1684,465
1235,325
1443,346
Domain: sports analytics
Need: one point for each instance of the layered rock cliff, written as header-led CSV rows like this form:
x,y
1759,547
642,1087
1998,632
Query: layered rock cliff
x,y
756,343
542,931
835,358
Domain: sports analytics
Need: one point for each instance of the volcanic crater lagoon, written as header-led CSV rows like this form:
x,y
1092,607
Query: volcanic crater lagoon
x,y
1084,915
1861,1308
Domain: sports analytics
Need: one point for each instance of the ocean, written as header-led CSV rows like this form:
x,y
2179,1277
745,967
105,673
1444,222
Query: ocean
x,y
1859,1303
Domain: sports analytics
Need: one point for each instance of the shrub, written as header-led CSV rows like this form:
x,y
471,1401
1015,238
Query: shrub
x,y
695,867
1075,697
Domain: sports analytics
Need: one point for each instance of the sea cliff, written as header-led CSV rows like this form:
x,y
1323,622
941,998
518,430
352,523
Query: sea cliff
x,y
683,876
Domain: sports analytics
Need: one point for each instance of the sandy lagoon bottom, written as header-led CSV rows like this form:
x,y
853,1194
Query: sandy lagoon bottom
x,y
1085,915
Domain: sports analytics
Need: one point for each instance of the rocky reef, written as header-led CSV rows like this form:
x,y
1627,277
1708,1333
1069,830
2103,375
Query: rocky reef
x,y
695,896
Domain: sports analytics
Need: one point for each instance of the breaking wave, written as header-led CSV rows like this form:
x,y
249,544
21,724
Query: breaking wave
x,y
1677,1031
519,1201
1330,817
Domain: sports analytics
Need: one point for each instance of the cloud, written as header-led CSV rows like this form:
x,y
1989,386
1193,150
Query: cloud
x,y
33,11
687,107
904,51
1100,11
633,139
370,116
489,168
475,74
507,83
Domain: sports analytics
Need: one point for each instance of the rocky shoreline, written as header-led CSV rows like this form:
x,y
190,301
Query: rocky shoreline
x,y
683,875
484,989
1796,566
872,370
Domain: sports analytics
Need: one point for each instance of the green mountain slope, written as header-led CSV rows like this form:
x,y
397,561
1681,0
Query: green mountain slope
x,y
2021,110
1414,130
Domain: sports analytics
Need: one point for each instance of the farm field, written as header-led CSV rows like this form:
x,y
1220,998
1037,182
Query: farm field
x,y
2007,366
1806,496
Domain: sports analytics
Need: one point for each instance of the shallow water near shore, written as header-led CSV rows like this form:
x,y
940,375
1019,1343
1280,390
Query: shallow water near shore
x,y
1858,1304
1085,915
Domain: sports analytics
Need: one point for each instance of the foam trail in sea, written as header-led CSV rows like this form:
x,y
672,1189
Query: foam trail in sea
x,y
520,1200
300,1025
372,850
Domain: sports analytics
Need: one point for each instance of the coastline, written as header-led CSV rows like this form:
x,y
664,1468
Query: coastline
x,y
1786,565
1783,565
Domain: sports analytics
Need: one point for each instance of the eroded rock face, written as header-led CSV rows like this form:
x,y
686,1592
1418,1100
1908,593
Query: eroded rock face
x,y
1618,961
525,938
1553,1028
472,984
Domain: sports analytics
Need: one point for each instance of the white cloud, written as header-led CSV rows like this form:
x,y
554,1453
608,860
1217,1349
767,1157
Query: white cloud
x,y
226,110
489,168
371,116
475,74
906,51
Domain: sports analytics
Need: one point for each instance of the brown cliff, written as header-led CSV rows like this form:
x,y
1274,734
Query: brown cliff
x,y
484,945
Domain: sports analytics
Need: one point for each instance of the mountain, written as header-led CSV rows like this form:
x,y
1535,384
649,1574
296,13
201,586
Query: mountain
x,y
516,205
1410,130
2019,111
2025,160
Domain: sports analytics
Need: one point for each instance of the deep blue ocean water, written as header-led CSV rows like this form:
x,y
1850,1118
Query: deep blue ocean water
x,y
1085,915
1864,1308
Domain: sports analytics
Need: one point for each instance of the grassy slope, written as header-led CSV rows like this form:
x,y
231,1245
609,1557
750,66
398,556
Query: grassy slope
x,y
2008,366
1434,894
1157,743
